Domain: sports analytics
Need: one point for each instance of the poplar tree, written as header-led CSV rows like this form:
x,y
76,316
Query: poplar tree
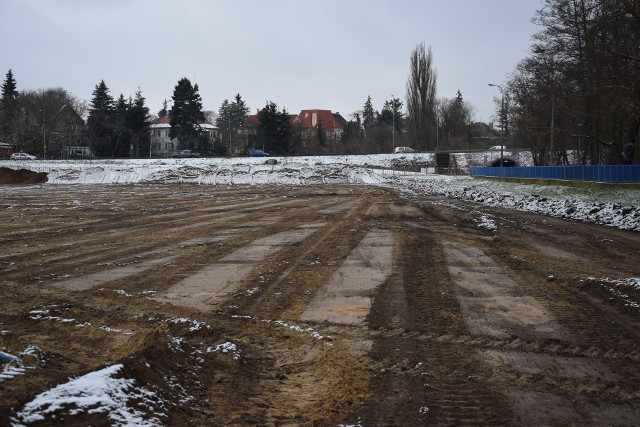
x,y
421,97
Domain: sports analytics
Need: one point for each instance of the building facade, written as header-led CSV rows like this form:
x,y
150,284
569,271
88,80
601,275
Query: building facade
x,y
162,145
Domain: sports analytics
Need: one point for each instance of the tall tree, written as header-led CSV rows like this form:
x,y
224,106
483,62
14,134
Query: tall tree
x,y
274,129
223,122
579,89
164,110
122,134
421,97
239,112
392,114
49,117
9,107
186,114
352,135
454,117
139,124
368,115
100,121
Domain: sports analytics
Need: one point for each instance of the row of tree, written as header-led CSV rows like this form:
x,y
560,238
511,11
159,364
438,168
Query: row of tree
x,y
575,99
118,128
121,127
39,121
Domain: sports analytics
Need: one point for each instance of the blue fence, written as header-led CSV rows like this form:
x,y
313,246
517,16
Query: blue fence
x,y
598,173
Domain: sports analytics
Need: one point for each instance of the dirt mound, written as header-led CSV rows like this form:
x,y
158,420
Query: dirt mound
x,y
21,176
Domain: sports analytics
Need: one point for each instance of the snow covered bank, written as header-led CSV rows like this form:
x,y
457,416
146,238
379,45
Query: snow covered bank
x,y
615,208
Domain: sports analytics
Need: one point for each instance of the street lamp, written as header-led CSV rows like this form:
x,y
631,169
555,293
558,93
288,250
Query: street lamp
x,y
579,159
229,119
393,126
501,123
44,139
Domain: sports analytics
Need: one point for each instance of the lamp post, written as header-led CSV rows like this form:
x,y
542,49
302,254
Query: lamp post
x,y
229,127
501,123
44,139
393,126
579,159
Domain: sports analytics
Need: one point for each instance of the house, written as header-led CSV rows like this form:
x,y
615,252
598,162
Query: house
x,y
332,123
6,150
308,120
164,146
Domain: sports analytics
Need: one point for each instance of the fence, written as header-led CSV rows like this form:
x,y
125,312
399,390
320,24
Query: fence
x,y
597,173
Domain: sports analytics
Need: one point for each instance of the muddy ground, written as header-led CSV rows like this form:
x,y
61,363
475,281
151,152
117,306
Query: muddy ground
x,y
336,305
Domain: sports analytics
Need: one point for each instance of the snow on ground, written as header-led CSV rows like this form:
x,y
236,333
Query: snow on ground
x,y
615,208
95,392
107,392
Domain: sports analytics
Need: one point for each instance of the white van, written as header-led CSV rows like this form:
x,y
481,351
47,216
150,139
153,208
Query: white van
x,y
498,148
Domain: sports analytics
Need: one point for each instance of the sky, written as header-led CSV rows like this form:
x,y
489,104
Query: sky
x,y
328,54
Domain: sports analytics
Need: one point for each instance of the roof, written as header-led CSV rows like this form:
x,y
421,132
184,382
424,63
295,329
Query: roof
x,y
305,119
311,118
165,122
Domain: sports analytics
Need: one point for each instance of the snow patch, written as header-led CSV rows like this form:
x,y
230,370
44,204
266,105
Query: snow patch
x,y
95,392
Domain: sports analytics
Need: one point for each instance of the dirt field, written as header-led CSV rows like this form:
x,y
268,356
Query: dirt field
x,y
317,306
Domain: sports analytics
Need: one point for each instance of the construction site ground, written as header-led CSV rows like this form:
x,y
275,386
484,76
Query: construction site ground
x,y
324,305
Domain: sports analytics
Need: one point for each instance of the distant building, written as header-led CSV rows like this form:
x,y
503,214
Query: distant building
x,y
77,152
6,150
308,120
332,123
164,146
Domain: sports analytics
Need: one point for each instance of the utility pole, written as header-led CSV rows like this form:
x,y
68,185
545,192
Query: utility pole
x,y
502,123
44,139
393,125
553,116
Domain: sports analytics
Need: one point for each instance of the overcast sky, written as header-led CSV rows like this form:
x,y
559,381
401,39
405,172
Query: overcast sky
x,y
325,54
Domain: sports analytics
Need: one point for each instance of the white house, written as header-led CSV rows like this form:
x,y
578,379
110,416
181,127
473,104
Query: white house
x,y
164,146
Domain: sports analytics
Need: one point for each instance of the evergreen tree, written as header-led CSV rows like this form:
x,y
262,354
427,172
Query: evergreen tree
x,y
274,129
9,110
186,114
352,135
231,117
121,132
223,122
392,114
321,135
139,124
100,121
368,115
9,92
164,110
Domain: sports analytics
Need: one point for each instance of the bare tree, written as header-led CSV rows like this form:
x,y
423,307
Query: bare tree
x,y
578,91
421,97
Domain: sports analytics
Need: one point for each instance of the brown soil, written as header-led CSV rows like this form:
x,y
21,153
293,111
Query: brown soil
x,y
347,305
21,176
